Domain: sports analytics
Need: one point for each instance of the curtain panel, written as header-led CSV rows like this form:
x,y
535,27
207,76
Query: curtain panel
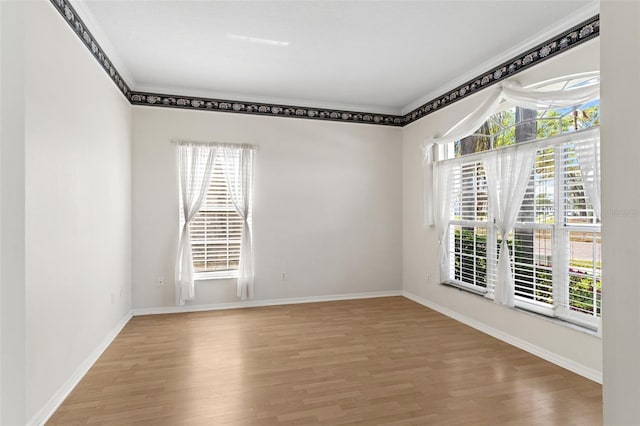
x,y
195,164
239,172
505,95
507,174
445,194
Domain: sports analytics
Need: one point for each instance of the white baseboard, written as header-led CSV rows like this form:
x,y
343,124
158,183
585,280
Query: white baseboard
x,y
545,354
43,415
267,302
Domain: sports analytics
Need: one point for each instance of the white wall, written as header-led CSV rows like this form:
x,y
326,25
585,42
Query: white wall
x,y
78,204
327,210
620,97
420,245
12,194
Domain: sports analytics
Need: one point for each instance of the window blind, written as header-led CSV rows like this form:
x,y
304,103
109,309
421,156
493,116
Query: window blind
x,y
216,230
582,240
555,243
471,184
468,229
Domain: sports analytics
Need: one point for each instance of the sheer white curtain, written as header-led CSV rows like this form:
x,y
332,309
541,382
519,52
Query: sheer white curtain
x,y
427,185
444,194
508,173
587,149
195,165
503,96
238,162
539,99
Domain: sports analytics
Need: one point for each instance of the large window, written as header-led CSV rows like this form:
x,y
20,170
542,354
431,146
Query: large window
x,y
555,243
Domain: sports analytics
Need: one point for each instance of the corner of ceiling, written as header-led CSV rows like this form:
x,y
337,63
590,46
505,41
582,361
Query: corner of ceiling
x,y
121,75
100,36
303,103
582,14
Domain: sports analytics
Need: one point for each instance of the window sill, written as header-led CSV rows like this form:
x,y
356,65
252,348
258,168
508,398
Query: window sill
x,y
222,275
561,322
470,289
558,321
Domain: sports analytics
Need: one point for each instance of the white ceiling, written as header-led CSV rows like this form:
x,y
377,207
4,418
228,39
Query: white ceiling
x,y
377,56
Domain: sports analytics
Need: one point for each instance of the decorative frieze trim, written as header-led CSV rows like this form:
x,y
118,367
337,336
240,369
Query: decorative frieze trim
x,y
570,38
272,110
75,22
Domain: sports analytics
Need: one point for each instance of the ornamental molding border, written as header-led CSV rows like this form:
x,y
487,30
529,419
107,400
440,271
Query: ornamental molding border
x,y
554,46
257,108
78,26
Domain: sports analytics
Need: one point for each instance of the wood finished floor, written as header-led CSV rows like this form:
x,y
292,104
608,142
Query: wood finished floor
x,y
386,361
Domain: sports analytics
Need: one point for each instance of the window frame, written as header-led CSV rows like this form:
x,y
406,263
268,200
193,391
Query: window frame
x,y
221,274
560,236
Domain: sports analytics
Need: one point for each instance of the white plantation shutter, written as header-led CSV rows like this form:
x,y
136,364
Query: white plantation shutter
x,y
471,184
538,203
216,231
588,153
468,227
578,205
557,234
532,240
555,247
531,263
580,300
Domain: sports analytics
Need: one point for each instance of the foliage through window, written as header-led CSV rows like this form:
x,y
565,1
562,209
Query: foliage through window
x,y
555,245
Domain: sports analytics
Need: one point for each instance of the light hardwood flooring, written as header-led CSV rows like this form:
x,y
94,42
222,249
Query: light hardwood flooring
x,y
361,362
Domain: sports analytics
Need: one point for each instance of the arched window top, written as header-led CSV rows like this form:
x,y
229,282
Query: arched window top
x,y
567,82
517,124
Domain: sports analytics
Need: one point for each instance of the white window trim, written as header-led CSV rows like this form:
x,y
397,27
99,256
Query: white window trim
x,y
216,275
213,274
559,229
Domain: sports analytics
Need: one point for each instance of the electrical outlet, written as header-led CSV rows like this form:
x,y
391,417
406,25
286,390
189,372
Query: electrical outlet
x,y
283,276
428,277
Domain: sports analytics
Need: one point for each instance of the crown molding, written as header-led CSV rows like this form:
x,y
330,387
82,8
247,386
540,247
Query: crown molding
x,y
544,35
85,14
553,46
563,42
250,98
78,26
267,109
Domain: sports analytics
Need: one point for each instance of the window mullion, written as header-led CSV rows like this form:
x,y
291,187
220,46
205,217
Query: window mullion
x,y
560,259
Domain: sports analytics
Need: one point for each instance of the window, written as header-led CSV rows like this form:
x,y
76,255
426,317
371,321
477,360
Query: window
x,y
555,243
216,230
468,227
215,183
